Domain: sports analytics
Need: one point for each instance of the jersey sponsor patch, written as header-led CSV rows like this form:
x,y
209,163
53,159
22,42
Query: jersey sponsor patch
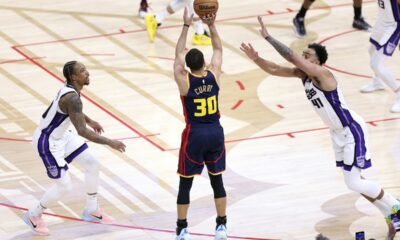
x,y
360,161
52,170
390,48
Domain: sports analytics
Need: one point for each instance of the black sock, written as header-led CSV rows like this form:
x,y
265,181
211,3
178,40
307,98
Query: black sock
x,y
180,224
220,220
302,12
357,12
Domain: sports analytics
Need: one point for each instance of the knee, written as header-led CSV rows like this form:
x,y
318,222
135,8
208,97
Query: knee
x,y
90,161
217,185
353,185
185,184
376,62
64,184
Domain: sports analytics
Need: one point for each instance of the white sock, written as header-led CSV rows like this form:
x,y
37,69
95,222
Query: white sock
x,y
62,186
199,27
161,15
384,208
37,210
91,202
389,199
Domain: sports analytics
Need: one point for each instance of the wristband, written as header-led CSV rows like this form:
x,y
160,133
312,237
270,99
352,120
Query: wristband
x,y
186,25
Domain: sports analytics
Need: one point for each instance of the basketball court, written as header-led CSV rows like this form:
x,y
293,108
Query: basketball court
x,y
281,178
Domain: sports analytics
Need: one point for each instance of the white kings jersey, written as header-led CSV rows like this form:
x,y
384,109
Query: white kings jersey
x,y
388,13
330,106
54,122
387,22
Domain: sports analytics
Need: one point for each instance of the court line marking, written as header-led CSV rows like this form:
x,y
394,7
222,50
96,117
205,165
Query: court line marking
x,y
128,226
16,48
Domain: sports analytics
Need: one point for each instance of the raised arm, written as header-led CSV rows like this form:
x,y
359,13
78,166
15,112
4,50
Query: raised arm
x,y
72,105
309,68
216,60
270,67
179,63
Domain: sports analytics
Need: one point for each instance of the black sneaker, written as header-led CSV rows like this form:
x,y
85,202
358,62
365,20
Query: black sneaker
x,y
361,24
298,27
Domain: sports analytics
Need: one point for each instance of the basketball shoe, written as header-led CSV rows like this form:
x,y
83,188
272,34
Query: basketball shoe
x,y
361,24
201,39
151,25
183,235
96,216
396,106
299,28
393,220
373,86
36,224
220,233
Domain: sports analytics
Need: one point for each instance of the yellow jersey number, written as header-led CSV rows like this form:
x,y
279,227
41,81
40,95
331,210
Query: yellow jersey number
x,y
205,106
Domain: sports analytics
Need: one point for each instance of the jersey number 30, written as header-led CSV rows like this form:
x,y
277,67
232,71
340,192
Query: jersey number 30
x,y
205,106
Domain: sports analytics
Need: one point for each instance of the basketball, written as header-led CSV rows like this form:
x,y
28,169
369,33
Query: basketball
x,y
205,7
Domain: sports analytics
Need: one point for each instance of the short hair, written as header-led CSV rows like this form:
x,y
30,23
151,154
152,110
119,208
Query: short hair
x,y
194,59
68,70
321,52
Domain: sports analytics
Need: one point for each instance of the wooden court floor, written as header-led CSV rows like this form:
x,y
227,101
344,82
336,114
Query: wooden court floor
x,y
281,179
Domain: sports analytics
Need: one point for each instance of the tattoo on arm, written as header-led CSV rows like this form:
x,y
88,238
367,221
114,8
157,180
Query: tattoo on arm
x,y
78,119
282,49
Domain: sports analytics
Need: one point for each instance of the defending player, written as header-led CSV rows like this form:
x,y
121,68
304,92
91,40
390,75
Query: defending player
x,y
57,147
348,131
384,40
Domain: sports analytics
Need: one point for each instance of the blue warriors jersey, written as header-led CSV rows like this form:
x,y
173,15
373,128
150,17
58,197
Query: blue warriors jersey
x,y
200,105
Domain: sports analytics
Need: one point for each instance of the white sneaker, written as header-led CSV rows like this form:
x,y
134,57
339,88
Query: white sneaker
x,y
372,87
184,235
220,233
396,106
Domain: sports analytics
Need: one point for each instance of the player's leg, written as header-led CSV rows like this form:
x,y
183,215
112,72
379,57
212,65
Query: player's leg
x,y
91,166
380,70
298,20
356,158
33,216
220,205
153,22
383,200
183,201
358,21
201,37
216,164
190,163
143,8
52,160
376,83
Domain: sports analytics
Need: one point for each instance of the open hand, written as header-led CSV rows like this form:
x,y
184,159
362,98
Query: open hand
x,y
249,51
186,18
117,145
208,19
263,30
